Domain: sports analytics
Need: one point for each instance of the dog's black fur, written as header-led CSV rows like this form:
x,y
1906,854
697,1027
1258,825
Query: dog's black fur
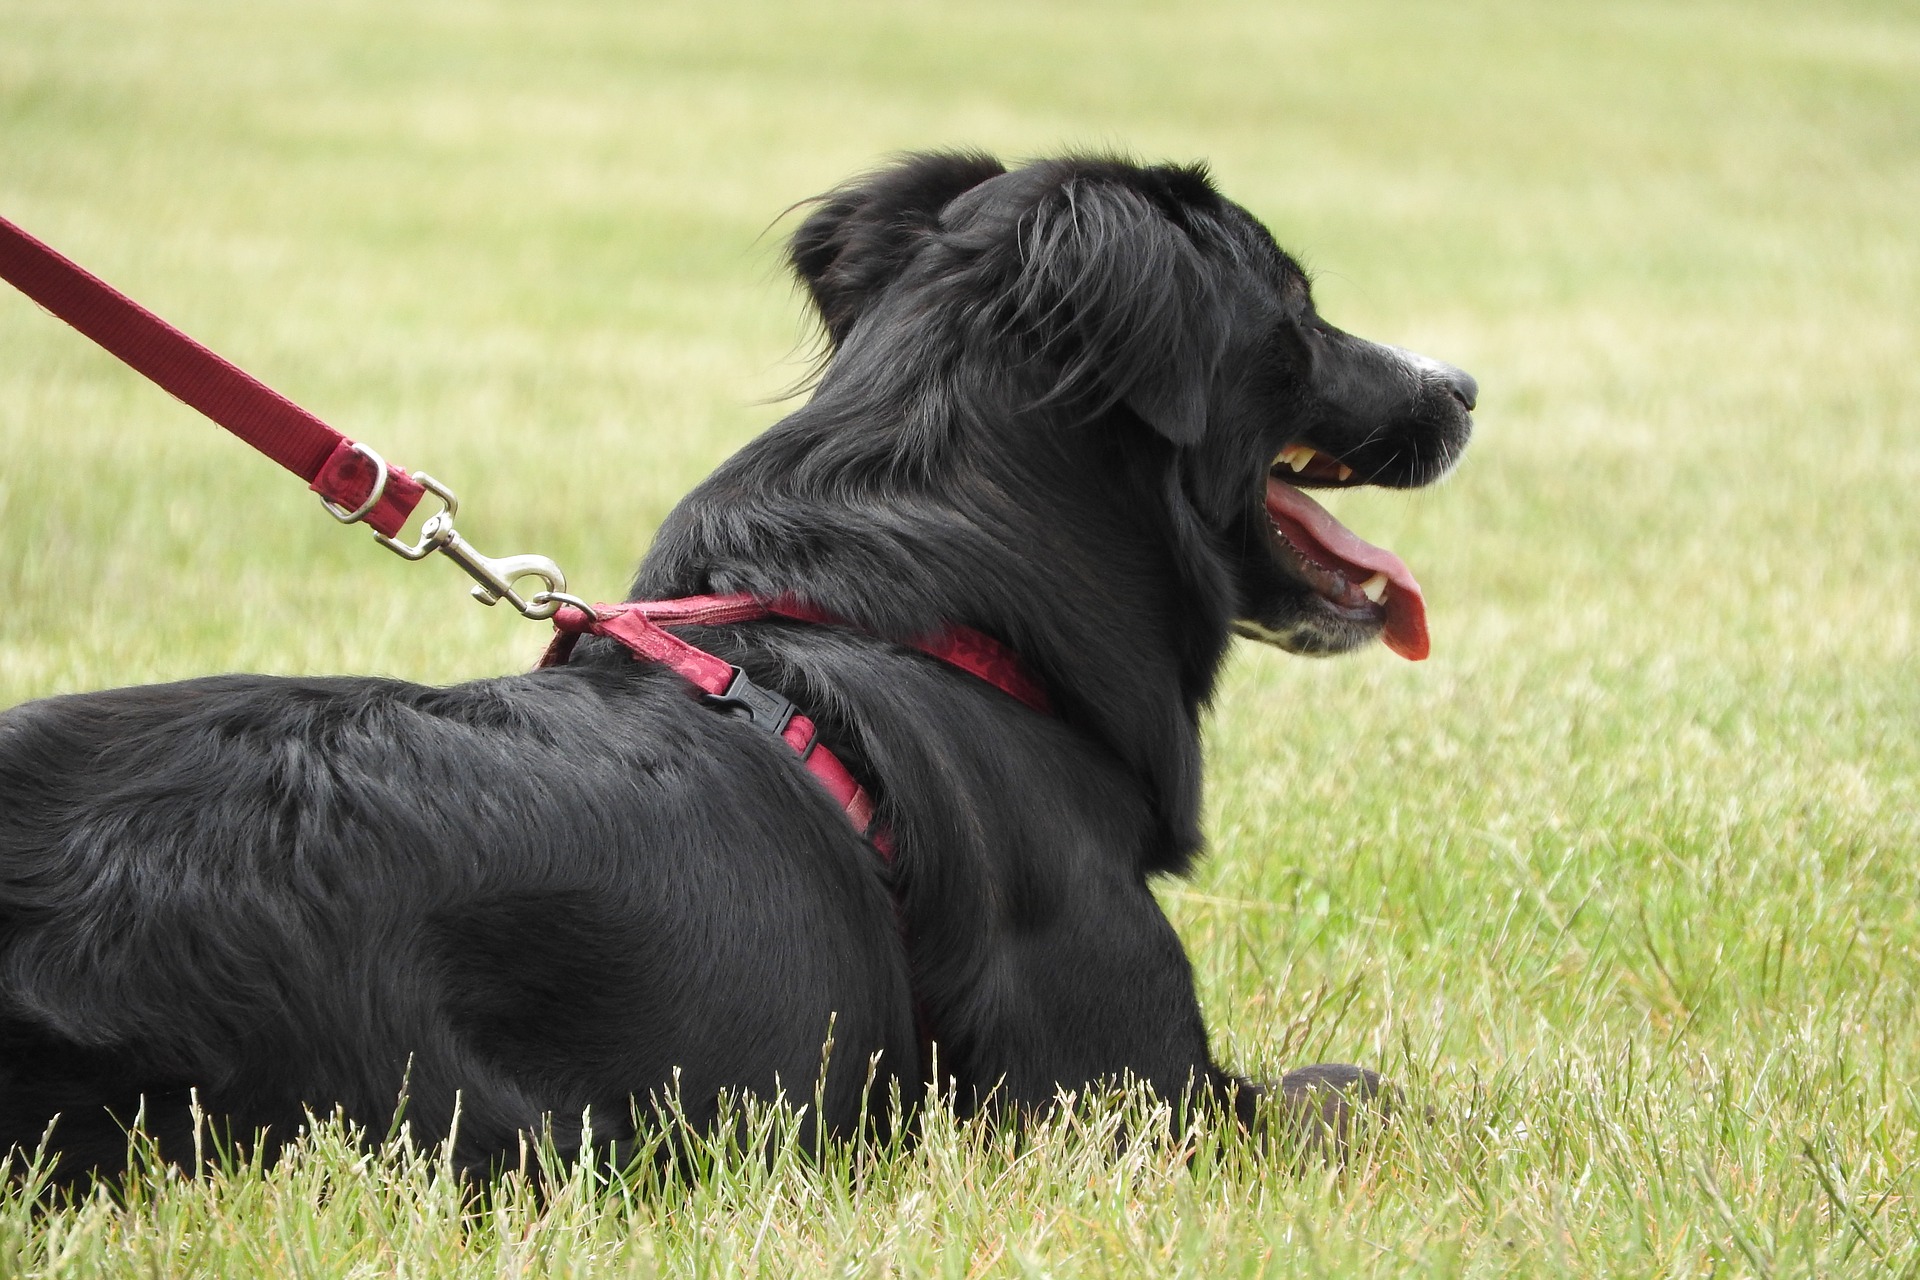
x,y
1050,405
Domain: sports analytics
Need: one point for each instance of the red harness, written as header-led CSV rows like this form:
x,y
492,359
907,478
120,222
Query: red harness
x,y
641,627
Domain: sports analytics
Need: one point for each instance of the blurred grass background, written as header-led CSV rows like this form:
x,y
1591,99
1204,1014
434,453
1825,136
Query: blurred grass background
x,y
1622,881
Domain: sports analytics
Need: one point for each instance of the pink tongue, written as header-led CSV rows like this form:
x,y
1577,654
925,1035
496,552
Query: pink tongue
x,y
1406,630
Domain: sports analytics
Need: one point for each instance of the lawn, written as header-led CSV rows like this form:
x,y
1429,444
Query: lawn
x,y
1621,884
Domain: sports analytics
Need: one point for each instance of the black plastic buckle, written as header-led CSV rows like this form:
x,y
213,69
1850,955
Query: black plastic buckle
x,y
762,708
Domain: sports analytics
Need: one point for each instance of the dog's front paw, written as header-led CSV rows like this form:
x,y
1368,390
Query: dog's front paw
x,y
1316,1110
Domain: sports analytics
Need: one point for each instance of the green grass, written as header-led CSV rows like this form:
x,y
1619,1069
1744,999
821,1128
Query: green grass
x,y
1622,883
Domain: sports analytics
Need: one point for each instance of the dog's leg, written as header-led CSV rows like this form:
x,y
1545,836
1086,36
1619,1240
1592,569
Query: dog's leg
x,y
1095,992
1312,1110
1103,993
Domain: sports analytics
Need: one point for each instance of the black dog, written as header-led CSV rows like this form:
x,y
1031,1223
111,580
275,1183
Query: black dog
x,y
1072,406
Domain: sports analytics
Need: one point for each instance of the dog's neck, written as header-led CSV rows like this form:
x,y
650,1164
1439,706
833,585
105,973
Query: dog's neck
x,y
1066,547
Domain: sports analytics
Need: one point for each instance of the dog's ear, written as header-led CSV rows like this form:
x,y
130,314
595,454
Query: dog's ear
x,y
860,236
1118,287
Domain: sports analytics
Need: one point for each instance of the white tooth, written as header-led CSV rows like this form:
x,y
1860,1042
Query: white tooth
x,y
1296,456
1375,588
1346,472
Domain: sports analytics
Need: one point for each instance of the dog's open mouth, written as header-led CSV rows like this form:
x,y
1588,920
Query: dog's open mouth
x,y
1353,575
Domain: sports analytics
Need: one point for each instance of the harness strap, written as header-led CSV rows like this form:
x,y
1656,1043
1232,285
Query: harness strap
x,y
975,653
641,625
344,473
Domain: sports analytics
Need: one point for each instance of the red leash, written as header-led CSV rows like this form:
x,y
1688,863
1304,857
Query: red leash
x,y
356,484
345,474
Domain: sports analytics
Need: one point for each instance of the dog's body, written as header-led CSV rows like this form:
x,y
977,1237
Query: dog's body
x,y
1053,401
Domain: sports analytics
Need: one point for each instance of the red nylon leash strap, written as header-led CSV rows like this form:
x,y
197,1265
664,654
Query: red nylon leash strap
x,y
641,627
333,466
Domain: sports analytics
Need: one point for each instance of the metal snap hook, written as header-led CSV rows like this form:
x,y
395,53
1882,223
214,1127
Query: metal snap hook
x,y
494,575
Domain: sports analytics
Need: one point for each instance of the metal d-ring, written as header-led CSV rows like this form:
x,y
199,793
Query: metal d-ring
x,y
359,513
540,598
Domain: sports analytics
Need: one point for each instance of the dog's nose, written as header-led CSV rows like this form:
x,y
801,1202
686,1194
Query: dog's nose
x,y
1461,385
1458,382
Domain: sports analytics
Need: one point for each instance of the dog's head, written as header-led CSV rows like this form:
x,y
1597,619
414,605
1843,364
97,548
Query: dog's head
x,y
1137,299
